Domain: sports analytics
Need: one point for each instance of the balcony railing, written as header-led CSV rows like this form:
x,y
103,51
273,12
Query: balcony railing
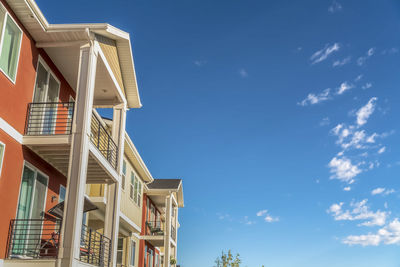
x,y
33,238
173,233
154,228
50,118
95,248
103,141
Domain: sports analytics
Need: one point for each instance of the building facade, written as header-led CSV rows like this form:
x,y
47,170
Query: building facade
x,y
74,189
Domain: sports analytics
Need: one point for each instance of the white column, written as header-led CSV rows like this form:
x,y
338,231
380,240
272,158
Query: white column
x,y
167,237
78,161
176,232
111,222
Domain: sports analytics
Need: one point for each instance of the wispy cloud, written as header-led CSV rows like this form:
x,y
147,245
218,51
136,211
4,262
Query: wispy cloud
x,y
390,51
359,211
390,234
243,73
267,217
339,63
361,60
382,191
325,121
358,78
367,86
347,188
335,7
345,86
313,99
343,169
200,63
364,112
382,150
324,53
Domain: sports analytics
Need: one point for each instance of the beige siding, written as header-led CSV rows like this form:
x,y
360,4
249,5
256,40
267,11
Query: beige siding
x,y
128,207
109,49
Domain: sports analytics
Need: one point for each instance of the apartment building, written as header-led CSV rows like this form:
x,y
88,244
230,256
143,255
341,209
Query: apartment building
x,y
74,190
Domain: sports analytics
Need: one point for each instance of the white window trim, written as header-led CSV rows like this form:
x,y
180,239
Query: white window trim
x,y
2,157
49,70
122,174
7,14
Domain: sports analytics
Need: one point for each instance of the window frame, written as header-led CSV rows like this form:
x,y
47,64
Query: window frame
x,y
2,157
7,14
132,253
59,193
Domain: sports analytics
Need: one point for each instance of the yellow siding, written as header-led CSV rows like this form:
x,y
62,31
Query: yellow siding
x,y
96,190
128,207
110,51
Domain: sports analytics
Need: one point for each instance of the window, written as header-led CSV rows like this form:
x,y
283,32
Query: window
x,y
136,191
139,192
131,191
123,174
120,250
133,253
61,196
11,36
2,148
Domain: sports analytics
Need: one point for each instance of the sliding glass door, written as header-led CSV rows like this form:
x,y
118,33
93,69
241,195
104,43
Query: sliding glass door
x,y
30,213
47,89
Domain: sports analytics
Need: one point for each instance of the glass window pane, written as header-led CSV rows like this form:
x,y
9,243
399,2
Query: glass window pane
x,y
133,252
25,195
62,193
10,48
54,86
40,86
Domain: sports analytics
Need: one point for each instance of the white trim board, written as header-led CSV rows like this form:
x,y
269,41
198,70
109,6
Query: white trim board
x,y
10,131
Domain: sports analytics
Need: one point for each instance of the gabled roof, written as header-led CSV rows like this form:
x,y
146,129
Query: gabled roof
x,y
41,31
170,184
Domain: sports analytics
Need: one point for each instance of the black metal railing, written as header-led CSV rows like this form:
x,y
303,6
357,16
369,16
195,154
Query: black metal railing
x,y
154,228
173,233
103,141
33,238
95,248
49,118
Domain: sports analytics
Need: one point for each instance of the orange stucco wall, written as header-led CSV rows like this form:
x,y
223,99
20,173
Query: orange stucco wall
x,y
14,99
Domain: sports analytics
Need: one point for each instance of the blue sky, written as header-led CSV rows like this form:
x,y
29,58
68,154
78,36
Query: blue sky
x,y
282,117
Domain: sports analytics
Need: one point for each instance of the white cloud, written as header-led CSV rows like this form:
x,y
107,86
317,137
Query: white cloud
x,y
261,213
325,121
343,169
243,73
361,60
367,86
393,50
313,99
247,221
364,112
335,7
358,78
324,53
359,211
347,188
388,235
339,63
381,150
344,87
267,217
200,63
382,191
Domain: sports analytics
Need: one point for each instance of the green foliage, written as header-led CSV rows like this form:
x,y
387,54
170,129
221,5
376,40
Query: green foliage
x,y
172,261
228,260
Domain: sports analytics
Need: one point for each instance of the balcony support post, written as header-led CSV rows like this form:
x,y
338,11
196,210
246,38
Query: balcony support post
x,y
167,234
114,190
79,158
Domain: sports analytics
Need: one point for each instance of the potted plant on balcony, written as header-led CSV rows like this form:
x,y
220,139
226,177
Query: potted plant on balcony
x,y
172,261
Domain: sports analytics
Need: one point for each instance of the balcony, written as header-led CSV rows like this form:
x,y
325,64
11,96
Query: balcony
x,y
34,239
154,233
48,131
95,248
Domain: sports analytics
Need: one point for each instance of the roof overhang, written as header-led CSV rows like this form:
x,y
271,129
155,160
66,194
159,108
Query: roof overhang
x,y
46,34
166,192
